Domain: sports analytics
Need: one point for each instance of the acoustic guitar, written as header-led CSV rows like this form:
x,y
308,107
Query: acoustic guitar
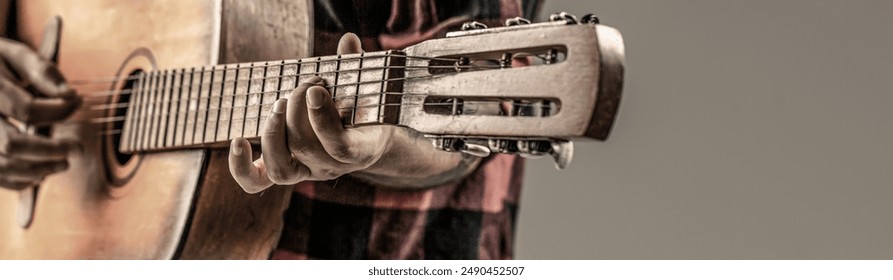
x,y
166,84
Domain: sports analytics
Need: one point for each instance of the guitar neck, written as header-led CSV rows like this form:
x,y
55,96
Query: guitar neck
x,y
207,106
502,86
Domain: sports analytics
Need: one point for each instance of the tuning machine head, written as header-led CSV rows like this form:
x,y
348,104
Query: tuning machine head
x,y
460,145
589,19
516,21
571,19
473,25
561,150
564,16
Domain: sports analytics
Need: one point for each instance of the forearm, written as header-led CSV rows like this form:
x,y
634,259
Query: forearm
x,y
411,162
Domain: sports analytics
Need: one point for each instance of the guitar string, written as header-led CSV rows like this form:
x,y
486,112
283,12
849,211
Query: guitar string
x,y
276,63
103,107
266,64
183,73
248,94
198,111
285,90
197,120
260,105
106,93
172,102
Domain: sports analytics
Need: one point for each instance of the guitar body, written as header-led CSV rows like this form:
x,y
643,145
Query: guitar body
x,y
159,205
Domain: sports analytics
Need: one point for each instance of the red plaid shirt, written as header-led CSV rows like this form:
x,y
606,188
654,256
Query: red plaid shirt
x,y
350,219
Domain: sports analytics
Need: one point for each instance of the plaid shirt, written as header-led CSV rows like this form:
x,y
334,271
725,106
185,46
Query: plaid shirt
x,y
350,219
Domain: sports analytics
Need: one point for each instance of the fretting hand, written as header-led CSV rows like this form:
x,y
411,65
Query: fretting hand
x,y
304,140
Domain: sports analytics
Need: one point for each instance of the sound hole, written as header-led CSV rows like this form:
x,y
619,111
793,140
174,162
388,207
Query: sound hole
x,y
118,127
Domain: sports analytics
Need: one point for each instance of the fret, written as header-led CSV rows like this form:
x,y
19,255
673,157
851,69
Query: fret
x,y
150,111
213,110
240,102
183,107
166,111
154,113
289,78
326,67
191,106
194,131
369,92
208,105
348,75
141,116
254,101
161,111
307,69
271,85
227,96
171,113
158,120
392,83
177,90
335,90
127,129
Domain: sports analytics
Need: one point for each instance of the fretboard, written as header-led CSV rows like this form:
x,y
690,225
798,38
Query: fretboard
x,y
204,106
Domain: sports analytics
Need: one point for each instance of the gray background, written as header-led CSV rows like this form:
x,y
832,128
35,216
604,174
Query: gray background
x,y
748,130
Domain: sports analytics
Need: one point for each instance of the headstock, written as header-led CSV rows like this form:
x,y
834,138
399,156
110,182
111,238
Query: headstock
x,y
527,88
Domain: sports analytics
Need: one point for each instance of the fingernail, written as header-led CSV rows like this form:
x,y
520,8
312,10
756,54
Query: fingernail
x,y
315,98
279,106
236,147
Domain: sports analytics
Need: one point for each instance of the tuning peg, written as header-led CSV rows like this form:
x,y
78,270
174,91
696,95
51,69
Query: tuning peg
x,y
460,145
447,144
475,150
563,153
564,16
473,25
501,146
589,19
532,149
516,21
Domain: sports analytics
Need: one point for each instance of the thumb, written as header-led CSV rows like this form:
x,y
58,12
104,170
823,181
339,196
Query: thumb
x,y
349,44
252,176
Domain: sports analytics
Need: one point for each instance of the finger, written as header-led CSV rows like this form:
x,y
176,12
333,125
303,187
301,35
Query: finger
x,y
281,166
32,147
21,105
326,122
29,171
349,44
37,71
302,140
49,45
5,72
250,175
46,110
